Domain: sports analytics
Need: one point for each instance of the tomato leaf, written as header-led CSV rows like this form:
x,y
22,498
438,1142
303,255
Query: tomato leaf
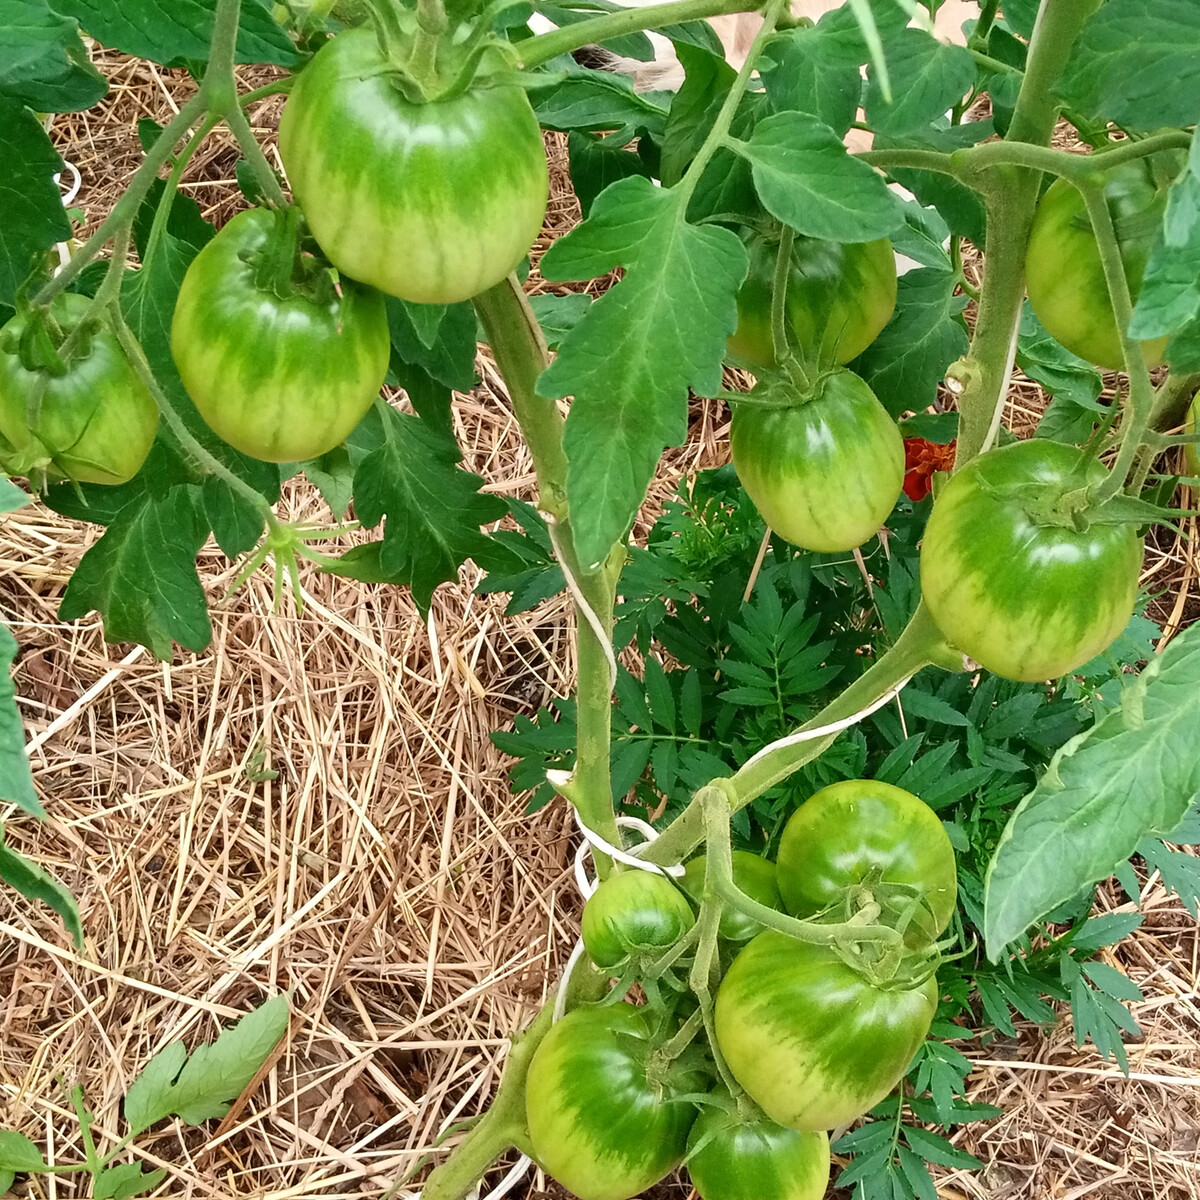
x,y
141,575
905,364
16,781
18,1153
43,62
126,1180
434,509
809,71
928,78
200,1087
35,884
1132,775
707,79
34,219
1126,51
236,524
671,316
807,179
599,100
180,32
439,339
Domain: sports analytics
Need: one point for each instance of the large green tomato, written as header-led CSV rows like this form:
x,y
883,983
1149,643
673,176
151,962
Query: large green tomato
x,y
863,832
753,874
279,377
95,420
634,914
813,1043
840,295
604,1118
729,1159
1027,599
826,474
1063,271
433,202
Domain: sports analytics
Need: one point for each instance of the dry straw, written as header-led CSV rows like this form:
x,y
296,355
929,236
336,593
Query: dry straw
x,y
313,804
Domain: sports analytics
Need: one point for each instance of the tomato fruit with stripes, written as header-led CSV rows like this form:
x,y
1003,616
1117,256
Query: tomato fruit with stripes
x,y
731,1159
813,1042
280,368
753,874
824,473
1008,576
634,914
840,295
604,1114
432,202
83,415
864,833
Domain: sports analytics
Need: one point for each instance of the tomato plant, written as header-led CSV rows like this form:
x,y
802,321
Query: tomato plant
x,y
814,1042
840,295
66,412
1065,275
864,833
432,202
604,1117
280,362
753,874
824,472
724,221
1014,578
732,1159
633,915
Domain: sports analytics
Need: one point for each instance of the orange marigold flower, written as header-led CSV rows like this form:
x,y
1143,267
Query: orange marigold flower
x,y
921,460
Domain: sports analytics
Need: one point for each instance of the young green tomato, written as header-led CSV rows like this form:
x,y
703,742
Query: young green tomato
x,y
634,915
95,420
753,874
604,1115
433,203
280,374
732,1159
1027,595
812,1041
825,474
858,831
840,295
1064,274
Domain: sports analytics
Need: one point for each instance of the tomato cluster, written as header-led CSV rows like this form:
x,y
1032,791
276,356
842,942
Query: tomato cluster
x,y
813,1034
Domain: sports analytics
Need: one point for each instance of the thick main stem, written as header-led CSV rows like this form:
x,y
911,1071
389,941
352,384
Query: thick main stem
x,y
520,352
1011,194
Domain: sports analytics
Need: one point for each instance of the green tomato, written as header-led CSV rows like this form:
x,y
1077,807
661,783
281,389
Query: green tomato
x,y
826,474
863,832
730,1159
634,914
95,421
840,295
433,202
1026,599
814,1043
753,874
604,1116
1063,271
281,378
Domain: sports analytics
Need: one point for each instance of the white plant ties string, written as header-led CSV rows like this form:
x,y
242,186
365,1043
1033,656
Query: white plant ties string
x,y
64,250
589,613
808,735
1002,399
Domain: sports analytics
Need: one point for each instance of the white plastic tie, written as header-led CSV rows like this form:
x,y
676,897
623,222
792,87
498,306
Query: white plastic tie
x,y
808,735
593,841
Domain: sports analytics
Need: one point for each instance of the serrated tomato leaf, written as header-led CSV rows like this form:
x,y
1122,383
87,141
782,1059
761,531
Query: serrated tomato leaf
x,y
201,1087
181,31
126,1180
43,62
141,575
632,358
433,508
1134,774
16,781
807,178
927,77
34,219
35,884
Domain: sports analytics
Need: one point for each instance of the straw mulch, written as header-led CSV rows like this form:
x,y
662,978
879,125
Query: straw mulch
x,y
313,805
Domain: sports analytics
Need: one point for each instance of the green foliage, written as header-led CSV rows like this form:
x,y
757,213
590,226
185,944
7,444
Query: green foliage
x,y
196,1088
